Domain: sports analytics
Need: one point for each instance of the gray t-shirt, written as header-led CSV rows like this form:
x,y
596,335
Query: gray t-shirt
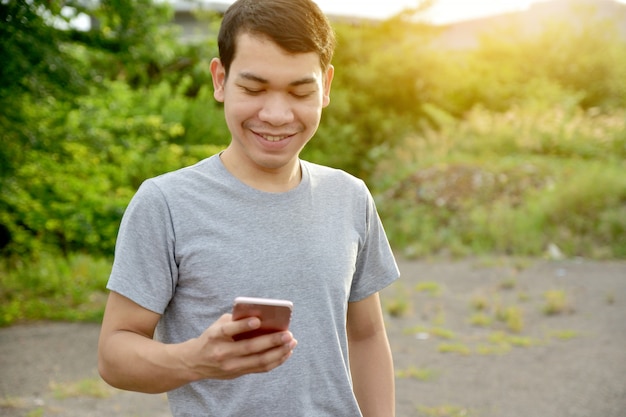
x,y
194,239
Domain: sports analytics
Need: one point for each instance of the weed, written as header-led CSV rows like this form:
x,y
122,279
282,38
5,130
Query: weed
x,y
503,339
610,299
481,320
398,304
564,334
38,412
431,288
53,288
480,302
12,402
397,307
520,341
442,333
508,284
556,302
513,317
421,374
416,330
91,387
558,172
444,411
459,348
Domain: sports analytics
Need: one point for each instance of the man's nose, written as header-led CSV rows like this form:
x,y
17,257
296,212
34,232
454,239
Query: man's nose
x,y
277,110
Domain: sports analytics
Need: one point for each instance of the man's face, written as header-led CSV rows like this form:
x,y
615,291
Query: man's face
x,y
273,102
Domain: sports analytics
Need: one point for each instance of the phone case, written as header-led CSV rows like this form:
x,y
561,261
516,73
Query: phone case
x,y
274,314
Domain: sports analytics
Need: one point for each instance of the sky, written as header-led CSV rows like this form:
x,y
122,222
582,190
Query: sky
x,y
444,11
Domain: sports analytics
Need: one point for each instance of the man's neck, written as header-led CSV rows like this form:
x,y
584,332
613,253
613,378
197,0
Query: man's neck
x,y
264,179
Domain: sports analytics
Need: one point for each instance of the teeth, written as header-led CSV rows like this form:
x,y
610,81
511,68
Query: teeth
x,y
274,138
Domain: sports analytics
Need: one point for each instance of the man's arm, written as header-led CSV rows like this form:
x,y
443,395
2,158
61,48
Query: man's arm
x,y
371,363
129,358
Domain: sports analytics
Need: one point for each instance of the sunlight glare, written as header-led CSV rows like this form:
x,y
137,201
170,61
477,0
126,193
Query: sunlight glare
x,y
443,11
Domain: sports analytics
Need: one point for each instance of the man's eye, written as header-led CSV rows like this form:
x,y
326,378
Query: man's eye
x,y
302,94
252,91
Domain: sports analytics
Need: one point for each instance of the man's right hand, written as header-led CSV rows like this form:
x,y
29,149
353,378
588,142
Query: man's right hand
x,y
130,359
216,355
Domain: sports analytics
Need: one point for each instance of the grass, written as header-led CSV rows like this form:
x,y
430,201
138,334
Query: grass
x,y
511,182
444,411
90,387
397,307
564,334
610,299
512,317
421,374
53,288
480,302
556,302
11,402
508,284
429,287
460,348
514,182
504,339
398,304
481,320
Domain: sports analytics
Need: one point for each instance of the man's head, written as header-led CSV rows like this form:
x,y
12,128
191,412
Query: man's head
x,y
297,26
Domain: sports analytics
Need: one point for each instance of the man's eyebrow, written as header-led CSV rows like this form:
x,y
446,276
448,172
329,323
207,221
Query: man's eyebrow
x,y
303,81
252,77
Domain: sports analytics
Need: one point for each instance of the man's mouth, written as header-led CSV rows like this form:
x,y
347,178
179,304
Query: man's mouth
x,y
272,138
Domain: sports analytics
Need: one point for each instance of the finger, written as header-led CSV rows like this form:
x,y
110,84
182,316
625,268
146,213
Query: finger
x,y
229,328
265,360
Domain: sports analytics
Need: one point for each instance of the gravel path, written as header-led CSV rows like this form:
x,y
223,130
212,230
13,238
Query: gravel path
x,y
524,363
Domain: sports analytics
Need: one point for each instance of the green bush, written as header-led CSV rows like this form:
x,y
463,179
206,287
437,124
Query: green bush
x,y
511,148
70,195
510,183
53,288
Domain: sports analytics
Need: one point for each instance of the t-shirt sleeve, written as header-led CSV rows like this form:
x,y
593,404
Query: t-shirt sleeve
x,y
376,266
144,269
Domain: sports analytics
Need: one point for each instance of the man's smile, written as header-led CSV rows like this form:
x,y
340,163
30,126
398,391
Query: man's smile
x,y
273,138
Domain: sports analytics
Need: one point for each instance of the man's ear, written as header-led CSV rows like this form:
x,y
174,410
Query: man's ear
x,y
328,80
218,74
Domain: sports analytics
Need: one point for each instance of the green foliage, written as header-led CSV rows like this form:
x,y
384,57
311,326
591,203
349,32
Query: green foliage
x,y
33,49
578,60
510,148
510,183
376,98
53,288
71,194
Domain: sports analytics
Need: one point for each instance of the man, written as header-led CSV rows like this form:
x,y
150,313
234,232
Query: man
x,y
256,221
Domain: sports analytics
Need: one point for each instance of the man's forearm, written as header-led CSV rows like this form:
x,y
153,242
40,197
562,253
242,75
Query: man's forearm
x,y
135,363
372,371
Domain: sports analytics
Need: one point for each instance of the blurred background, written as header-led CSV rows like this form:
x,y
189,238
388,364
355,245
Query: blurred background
x,y
480,129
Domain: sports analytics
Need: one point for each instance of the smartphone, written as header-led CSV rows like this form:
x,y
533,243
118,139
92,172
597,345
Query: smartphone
x,y
274,314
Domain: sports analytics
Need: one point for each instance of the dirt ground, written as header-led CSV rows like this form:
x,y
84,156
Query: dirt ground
x,y
472,339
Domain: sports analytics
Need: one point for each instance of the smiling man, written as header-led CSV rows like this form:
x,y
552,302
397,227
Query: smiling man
x,y
273,102
256,220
